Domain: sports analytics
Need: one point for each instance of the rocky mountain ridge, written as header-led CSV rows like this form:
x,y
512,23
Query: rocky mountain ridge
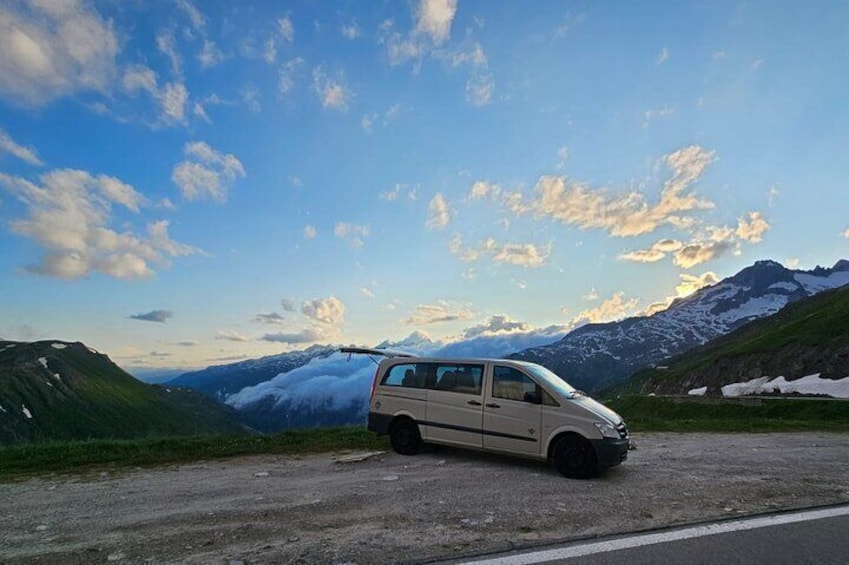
x,y
599,356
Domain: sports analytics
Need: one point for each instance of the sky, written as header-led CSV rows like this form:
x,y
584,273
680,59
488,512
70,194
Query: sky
x,y
190,183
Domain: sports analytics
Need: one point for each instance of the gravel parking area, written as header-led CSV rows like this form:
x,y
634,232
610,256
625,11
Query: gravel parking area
x,y
386,507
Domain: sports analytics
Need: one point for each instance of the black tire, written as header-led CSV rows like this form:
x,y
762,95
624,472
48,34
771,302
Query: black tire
x,y
405,437
575,458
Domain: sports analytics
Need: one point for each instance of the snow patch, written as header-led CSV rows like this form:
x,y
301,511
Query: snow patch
x,y
58,345
697,391
783,285
43,361
26,411
93,351
757,307
811,384
57,376
3,410
814,284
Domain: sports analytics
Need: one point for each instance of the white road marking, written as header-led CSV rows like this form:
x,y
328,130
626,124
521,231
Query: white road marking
x,y
663,537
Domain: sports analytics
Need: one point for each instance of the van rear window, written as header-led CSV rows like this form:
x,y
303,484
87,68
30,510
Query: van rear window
x,y
408,375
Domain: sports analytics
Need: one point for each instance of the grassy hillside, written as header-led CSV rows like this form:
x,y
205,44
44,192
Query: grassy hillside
x,y
52,390
645,413
806,337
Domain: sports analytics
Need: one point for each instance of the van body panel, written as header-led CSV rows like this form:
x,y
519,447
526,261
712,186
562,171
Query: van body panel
x,y
512,426
454,418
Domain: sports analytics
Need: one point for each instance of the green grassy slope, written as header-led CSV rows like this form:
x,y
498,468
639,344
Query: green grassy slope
x,y
81,394
806,337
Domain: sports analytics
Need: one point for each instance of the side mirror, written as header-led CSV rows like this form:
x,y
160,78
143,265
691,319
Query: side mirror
x,y
533,398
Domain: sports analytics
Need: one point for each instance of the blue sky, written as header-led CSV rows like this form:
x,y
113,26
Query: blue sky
x,y
185,183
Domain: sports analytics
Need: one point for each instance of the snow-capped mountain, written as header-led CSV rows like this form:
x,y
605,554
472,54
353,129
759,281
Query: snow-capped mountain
x,y
597,356
220,381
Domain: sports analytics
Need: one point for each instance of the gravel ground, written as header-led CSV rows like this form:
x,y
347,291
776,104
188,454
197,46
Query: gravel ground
x,y
385,508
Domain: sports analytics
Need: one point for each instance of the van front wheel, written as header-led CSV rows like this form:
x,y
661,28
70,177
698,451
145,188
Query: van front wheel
x,y
405,437
574,457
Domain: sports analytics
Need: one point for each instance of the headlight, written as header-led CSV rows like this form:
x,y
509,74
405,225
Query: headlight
x,y
607,429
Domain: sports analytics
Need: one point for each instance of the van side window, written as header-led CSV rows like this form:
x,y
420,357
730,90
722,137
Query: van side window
x,y
408,375
512,384
459,378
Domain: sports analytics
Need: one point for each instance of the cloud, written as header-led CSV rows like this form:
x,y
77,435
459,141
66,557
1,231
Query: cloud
x,y
367,292
210,55
332,92
426,314
288,70
433,27
611,309
496,324
231,336
206,172
479,89
54,49
286,29
398,190
310,232
846,233
251,97
435,17
651,115
308,335
525,255
481,190
160,316
288,305
351,31
352,234
439,215
691,283
195,16
27,154
69,215
656,252
688,285
697,253
752,230
270,318
166,43
171,98
328,311
577,204
188,343
663,56
591,296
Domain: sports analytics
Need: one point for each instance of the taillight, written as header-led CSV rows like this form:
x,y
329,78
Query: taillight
x,y
373,382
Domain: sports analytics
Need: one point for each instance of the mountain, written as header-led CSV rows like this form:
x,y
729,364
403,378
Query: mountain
x,y
55,390
221,381
599,356
154,376
806,338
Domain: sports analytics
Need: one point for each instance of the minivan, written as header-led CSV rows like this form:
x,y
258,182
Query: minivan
x,y
499,405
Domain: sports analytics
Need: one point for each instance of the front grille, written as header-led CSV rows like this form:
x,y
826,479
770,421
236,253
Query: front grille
x,y
623,431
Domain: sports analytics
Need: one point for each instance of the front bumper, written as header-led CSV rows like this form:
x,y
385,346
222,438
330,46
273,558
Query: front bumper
x,y
610,452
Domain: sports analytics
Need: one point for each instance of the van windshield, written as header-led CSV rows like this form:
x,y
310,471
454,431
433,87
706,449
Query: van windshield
x,y
551,379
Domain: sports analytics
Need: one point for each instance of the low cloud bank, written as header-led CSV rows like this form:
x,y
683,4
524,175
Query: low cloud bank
x,y
337,384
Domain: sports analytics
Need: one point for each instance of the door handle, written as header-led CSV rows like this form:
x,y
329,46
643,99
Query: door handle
x,y
493,405
474,403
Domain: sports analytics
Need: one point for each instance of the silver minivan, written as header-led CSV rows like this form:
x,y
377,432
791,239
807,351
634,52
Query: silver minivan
x,y
497,405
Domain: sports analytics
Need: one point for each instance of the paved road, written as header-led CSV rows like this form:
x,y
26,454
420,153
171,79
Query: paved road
x,y
818,536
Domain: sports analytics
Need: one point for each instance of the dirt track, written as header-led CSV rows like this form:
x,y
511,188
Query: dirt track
x,y
444,503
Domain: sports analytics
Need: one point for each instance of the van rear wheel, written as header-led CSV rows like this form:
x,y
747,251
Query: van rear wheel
x,y
575,458
405,437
